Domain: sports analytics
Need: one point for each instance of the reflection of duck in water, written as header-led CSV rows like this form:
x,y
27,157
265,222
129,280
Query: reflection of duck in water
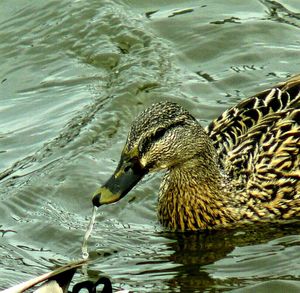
x,y
230,258
243,167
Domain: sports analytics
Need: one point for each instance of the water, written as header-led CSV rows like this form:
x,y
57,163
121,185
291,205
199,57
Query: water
x,y
84,247
73,76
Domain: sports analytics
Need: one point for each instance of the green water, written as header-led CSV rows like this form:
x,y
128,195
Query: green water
x,y
73,75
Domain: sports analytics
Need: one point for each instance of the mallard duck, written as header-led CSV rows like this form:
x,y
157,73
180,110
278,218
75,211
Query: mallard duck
x,y
57,286
242,168
58,281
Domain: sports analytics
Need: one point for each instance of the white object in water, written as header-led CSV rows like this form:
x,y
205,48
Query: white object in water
x,y
49,287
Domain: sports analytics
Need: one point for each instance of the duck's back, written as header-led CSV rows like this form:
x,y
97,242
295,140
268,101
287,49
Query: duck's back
x,y
258,142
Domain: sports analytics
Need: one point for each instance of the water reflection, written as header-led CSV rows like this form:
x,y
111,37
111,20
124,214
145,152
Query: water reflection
x,y
199,256
161,261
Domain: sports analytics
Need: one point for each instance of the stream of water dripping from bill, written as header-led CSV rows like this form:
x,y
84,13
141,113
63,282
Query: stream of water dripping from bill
x,y
84,247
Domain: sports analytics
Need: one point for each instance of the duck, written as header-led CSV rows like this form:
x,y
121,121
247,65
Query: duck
x,y
59,286
242,168
58,281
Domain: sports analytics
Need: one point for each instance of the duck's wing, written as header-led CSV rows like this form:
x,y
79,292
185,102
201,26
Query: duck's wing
x,y
229,130
258,142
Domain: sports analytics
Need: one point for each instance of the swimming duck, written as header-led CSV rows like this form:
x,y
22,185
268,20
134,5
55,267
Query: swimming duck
x,y
58,281
59,286
242,168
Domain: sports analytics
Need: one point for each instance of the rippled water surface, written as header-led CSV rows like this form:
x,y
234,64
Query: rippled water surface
x,y
73,75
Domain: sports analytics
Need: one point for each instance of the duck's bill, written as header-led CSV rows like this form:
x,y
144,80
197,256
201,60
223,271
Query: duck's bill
x,y
127,175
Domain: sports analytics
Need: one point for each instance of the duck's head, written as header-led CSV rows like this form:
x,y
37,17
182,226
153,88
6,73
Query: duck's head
x,y
161,137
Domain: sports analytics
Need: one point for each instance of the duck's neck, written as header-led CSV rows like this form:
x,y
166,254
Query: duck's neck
x,y
194,196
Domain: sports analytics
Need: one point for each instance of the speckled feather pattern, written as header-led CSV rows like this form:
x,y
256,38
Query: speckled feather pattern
x,y
258,143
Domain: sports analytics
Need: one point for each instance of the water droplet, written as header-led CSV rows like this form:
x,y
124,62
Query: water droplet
x,y
84,247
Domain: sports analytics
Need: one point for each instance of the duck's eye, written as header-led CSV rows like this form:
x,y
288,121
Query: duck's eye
x,y
126,169
152,139
157,135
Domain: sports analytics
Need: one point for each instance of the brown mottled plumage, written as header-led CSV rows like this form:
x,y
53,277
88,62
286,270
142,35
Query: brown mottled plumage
x,y
243,167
